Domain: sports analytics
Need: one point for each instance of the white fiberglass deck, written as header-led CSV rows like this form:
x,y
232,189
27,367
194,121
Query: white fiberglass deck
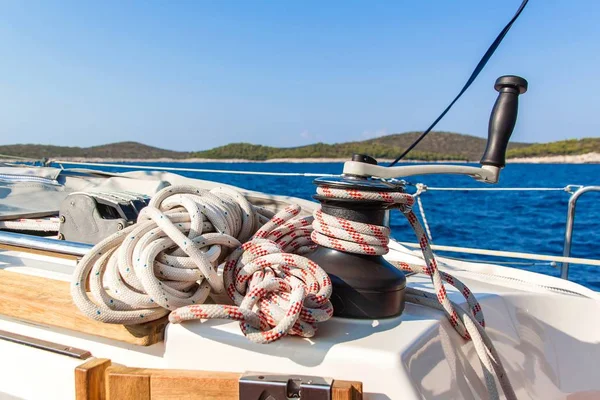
x,y
548,342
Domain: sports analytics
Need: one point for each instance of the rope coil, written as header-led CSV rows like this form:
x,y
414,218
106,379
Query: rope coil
x,y
291,292
168,261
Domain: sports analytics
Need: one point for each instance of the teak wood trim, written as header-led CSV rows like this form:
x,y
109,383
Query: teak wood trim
x,y
89,379
164,384
48,302
171,384
346,390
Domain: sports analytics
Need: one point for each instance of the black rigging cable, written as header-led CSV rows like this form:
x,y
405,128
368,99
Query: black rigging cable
x,y
486,57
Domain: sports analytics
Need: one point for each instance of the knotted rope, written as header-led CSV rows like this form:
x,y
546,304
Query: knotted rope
x,y
291,292
169,259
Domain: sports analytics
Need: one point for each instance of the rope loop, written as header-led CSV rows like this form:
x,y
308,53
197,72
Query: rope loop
x,y
350,236
421,188
276,293
168,259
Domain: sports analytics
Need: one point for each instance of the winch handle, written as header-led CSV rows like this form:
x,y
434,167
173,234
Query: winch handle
x,y
501,125
503,119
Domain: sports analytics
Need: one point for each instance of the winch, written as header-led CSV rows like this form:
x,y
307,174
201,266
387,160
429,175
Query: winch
x,y
366,285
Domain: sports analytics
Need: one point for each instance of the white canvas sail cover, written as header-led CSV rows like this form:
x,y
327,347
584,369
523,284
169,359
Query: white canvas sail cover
x,y
29,192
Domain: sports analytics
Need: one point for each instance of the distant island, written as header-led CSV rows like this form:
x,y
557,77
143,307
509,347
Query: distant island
x,y
437,146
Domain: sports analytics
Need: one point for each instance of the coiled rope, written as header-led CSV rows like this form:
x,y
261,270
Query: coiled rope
x,y
292,292
168,260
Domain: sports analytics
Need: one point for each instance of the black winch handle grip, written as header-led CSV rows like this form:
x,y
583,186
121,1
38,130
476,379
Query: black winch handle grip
x,y
503,119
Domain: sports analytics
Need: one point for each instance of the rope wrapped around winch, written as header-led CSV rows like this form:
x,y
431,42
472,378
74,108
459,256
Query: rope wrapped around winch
x,y
361,238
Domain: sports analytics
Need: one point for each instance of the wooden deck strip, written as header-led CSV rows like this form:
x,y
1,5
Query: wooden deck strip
x,y
165,384
90,379
48,302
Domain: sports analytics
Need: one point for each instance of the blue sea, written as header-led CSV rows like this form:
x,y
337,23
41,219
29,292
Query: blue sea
x,y
524,221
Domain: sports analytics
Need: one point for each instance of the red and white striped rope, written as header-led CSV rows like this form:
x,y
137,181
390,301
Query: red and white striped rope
x,y
353,237
275,292
361,238
370,239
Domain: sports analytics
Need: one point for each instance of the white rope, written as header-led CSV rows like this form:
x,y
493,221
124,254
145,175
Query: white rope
x,y
28,224
169,259
129,263
179,169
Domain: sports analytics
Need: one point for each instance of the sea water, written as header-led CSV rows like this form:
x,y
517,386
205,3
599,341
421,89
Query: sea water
x,y
523,221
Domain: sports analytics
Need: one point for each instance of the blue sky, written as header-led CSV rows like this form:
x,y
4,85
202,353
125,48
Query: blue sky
x,y
191,75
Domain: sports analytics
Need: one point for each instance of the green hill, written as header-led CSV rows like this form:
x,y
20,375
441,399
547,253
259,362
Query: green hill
x,y
560,148
120,150
249,151
436,146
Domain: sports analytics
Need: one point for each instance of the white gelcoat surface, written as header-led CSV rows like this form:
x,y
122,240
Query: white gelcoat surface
x,y
548,350
33,374
548,342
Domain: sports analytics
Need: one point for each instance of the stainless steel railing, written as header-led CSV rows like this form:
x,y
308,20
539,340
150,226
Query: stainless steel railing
x,y
44,244
564,270
80,249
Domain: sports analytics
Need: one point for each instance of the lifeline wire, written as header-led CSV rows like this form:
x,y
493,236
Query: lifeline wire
x,y
179,169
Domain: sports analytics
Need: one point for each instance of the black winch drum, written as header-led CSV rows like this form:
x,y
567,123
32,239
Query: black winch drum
x,y
364,286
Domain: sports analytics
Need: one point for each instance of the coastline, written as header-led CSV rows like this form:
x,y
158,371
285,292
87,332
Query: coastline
x,y
589,158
